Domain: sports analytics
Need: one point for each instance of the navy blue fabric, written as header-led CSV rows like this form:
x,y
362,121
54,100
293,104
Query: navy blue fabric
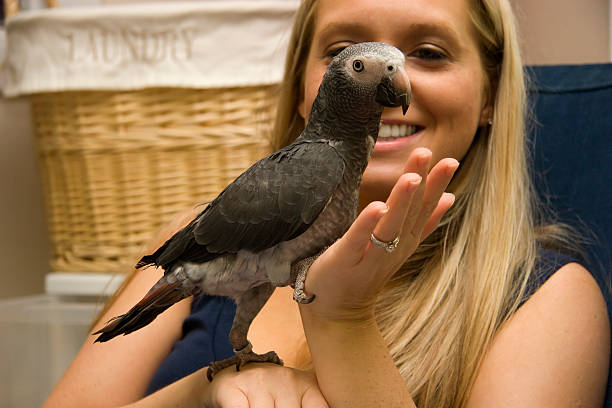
x,y
571,137
572,150
204,340
547,263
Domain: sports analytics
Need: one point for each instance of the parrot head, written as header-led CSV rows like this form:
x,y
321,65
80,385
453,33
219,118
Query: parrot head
x,y
375,70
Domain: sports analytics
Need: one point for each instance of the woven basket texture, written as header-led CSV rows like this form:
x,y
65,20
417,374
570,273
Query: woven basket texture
x,y
117,166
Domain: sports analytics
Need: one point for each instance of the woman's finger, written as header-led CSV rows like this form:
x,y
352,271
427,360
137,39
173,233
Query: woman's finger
x,y
422,163
446,201
313,398
261,399
438,179
355,240
231,398
407,191
390,226
416,160
288,398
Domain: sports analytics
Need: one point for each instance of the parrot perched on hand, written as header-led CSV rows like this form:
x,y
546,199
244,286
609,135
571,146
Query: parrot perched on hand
x,y
268,226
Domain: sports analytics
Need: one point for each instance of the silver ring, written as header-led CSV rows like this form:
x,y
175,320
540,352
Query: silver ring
x,y
387,246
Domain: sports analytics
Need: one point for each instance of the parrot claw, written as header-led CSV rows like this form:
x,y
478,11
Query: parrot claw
x,y
298,287
301,297
242,357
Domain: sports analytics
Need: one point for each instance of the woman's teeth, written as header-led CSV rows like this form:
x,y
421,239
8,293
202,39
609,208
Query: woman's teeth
x,y
396,131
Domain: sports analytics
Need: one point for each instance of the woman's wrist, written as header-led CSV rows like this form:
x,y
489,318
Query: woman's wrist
x,y
352,362
337,320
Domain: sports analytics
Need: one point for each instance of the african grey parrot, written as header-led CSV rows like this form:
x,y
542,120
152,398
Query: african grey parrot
x,y
267,227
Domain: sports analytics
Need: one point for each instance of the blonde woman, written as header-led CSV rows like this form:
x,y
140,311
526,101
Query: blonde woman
x,y
471,312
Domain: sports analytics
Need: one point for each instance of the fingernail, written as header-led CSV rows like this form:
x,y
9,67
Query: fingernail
x,y
423,152
415,179
424,159
453,198
453,167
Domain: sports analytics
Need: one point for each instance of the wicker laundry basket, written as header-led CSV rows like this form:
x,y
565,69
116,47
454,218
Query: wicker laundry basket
x,y
140,112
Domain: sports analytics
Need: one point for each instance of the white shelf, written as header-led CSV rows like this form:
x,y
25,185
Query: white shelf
x,y
82,284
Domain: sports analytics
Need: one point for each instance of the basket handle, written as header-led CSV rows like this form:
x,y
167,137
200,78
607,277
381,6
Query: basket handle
x,y
12,6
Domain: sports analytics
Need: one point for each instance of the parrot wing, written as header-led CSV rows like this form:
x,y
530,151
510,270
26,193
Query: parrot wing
x,y
273,201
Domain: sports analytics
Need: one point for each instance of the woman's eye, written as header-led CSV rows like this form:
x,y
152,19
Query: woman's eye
x,y
334,51
429,54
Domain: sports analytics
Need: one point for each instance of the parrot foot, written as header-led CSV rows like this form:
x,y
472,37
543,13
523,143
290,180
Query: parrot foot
x,y
298,288
301,297
242,357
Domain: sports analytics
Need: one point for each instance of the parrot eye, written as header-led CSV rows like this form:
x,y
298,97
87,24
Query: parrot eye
x,y
358,65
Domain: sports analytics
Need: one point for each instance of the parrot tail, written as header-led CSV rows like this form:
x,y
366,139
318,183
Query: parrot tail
x,y
160,297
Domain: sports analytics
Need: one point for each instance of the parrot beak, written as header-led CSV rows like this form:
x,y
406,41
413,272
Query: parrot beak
x,y
401,82
395,91
405,103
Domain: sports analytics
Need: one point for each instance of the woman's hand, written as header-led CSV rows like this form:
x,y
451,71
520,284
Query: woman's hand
x,y
262,386
348,276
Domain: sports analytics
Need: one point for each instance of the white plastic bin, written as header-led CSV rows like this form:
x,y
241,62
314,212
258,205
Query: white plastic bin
x,y
40,335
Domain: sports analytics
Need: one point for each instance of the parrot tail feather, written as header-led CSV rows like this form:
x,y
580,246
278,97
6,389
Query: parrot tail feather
x,y
160,297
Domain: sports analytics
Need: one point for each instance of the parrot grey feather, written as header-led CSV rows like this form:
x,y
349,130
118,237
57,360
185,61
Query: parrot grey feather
x,y
279,211
267,227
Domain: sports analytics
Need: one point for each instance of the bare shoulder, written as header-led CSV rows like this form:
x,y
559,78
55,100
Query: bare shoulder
x,y
554,351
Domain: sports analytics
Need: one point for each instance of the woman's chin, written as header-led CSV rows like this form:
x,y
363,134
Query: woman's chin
x,y
377,182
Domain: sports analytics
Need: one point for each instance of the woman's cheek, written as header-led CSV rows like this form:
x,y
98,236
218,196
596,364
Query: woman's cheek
x,y
312,81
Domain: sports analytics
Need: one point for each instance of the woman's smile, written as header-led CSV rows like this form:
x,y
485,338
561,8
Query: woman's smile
x,y
393,134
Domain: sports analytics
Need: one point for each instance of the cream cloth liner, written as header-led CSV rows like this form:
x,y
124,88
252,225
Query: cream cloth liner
x,y
193,45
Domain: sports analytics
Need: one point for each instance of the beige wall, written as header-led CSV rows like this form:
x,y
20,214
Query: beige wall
x,y
553,32
564,31
23,238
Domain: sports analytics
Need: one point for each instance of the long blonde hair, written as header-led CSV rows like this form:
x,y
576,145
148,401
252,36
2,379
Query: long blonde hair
x,y
441,310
